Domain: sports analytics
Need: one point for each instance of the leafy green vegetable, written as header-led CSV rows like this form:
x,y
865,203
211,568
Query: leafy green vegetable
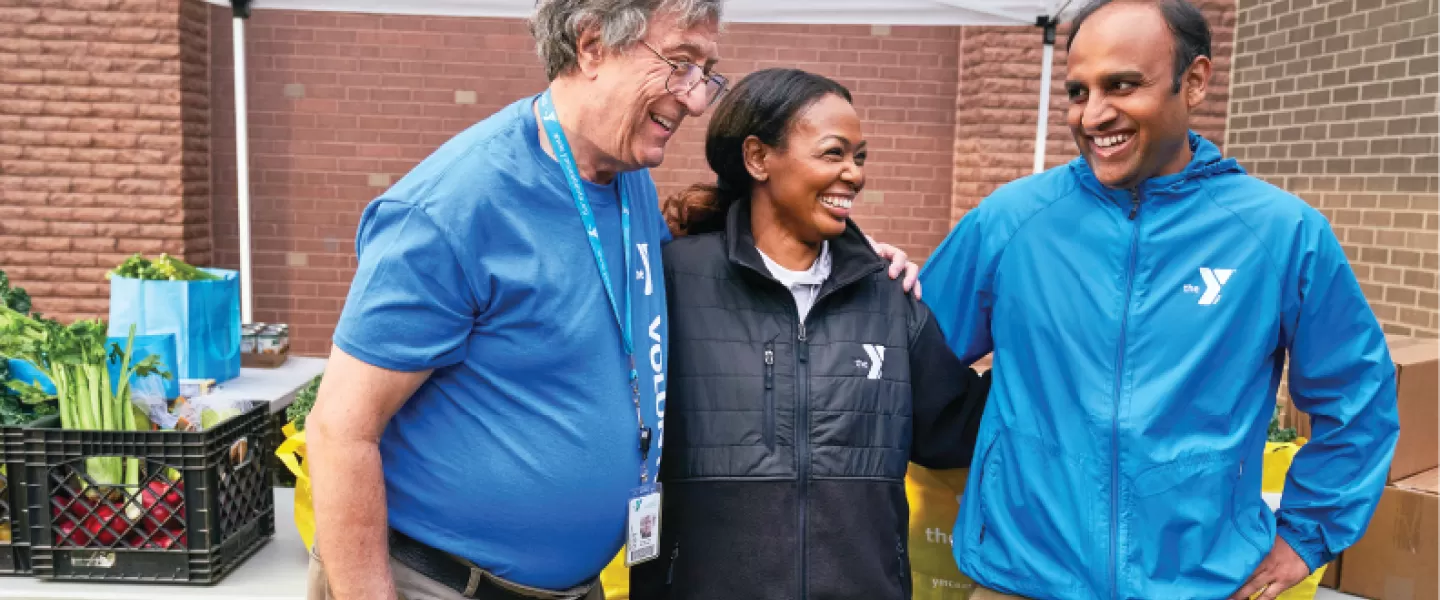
x,y
13,297
164,268
304,401
1278,433
17,408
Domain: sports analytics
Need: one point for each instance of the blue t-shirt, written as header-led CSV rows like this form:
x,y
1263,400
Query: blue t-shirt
x,y
520,451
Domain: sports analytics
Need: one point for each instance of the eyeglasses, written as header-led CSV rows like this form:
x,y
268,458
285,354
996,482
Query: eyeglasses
x,y
685,76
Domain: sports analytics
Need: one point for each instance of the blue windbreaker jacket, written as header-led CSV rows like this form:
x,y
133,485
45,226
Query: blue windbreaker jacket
x,y
1138,342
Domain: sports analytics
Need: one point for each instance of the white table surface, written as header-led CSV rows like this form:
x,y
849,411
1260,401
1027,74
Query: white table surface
x,y
276,571
276,386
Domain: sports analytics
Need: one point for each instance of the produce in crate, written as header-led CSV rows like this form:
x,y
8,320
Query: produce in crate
x,y
76,360
18,409
15,409
153,518
164,268
98,508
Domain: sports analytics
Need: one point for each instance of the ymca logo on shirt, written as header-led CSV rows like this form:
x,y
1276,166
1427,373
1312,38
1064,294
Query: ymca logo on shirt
x,y
1214,280
644,274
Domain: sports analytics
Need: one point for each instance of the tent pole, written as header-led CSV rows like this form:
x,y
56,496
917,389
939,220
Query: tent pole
x,y
242,159
1043,126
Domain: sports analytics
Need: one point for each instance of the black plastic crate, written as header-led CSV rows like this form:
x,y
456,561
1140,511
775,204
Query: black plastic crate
x,y
203,504
15,554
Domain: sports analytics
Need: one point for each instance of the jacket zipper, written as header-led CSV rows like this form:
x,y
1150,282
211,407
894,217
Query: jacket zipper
x,y
1119,386
770,395
802,418
802,405
802,441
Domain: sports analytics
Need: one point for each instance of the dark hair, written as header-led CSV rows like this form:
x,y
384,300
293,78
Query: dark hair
x,y
1187,25
763,104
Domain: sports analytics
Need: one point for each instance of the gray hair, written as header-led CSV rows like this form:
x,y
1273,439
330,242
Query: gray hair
x,y
557,24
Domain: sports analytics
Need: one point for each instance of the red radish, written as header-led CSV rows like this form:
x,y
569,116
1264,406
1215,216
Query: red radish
x,y
160,503
174,495
104,524
70,534
134,539
66,499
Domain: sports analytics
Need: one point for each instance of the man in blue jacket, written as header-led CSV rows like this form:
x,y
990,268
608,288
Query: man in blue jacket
x,y
1140,303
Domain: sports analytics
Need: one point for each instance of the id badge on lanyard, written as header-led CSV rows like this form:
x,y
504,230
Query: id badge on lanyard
x,y
642,540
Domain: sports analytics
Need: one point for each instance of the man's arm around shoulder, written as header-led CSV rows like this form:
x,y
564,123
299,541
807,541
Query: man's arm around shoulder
x,y
354,403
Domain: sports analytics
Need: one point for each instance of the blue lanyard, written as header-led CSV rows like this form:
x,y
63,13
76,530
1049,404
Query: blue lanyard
x,y
587,218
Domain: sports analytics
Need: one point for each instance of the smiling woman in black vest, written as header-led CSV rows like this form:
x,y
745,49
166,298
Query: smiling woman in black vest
x,y
803,380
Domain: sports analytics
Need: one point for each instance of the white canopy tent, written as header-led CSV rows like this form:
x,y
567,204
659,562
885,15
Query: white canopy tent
x,y
1039,13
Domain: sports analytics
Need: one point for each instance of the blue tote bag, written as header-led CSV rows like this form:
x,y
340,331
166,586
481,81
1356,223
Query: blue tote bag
x,y
162,346
203,317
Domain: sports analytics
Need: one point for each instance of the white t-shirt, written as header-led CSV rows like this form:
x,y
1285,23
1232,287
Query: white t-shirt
x,y
804,285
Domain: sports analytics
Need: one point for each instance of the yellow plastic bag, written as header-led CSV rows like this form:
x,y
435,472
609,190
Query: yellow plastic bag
x,y
1278,457
616,578
1306,589
934,497
292,453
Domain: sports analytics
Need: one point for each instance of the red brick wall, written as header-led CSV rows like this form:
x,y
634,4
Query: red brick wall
x,y
999,97
97,131
195,127
341,105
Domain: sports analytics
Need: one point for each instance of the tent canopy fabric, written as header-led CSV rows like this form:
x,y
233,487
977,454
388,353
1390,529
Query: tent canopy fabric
x,y
836,12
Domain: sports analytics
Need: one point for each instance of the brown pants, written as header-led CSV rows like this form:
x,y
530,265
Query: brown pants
x,y
981,593
409,584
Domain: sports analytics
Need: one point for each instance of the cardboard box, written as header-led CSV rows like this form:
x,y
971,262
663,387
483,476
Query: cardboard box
x,y
1398,559
1417,451
1416,361
1331,579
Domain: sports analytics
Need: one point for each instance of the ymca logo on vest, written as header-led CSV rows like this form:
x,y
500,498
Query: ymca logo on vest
x,y
1214,279
876,352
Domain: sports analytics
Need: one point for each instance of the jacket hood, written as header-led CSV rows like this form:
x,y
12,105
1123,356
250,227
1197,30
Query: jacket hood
x,y
1207,162
851,255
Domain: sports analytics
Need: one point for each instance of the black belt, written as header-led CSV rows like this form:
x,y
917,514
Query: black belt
x,y
467,579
